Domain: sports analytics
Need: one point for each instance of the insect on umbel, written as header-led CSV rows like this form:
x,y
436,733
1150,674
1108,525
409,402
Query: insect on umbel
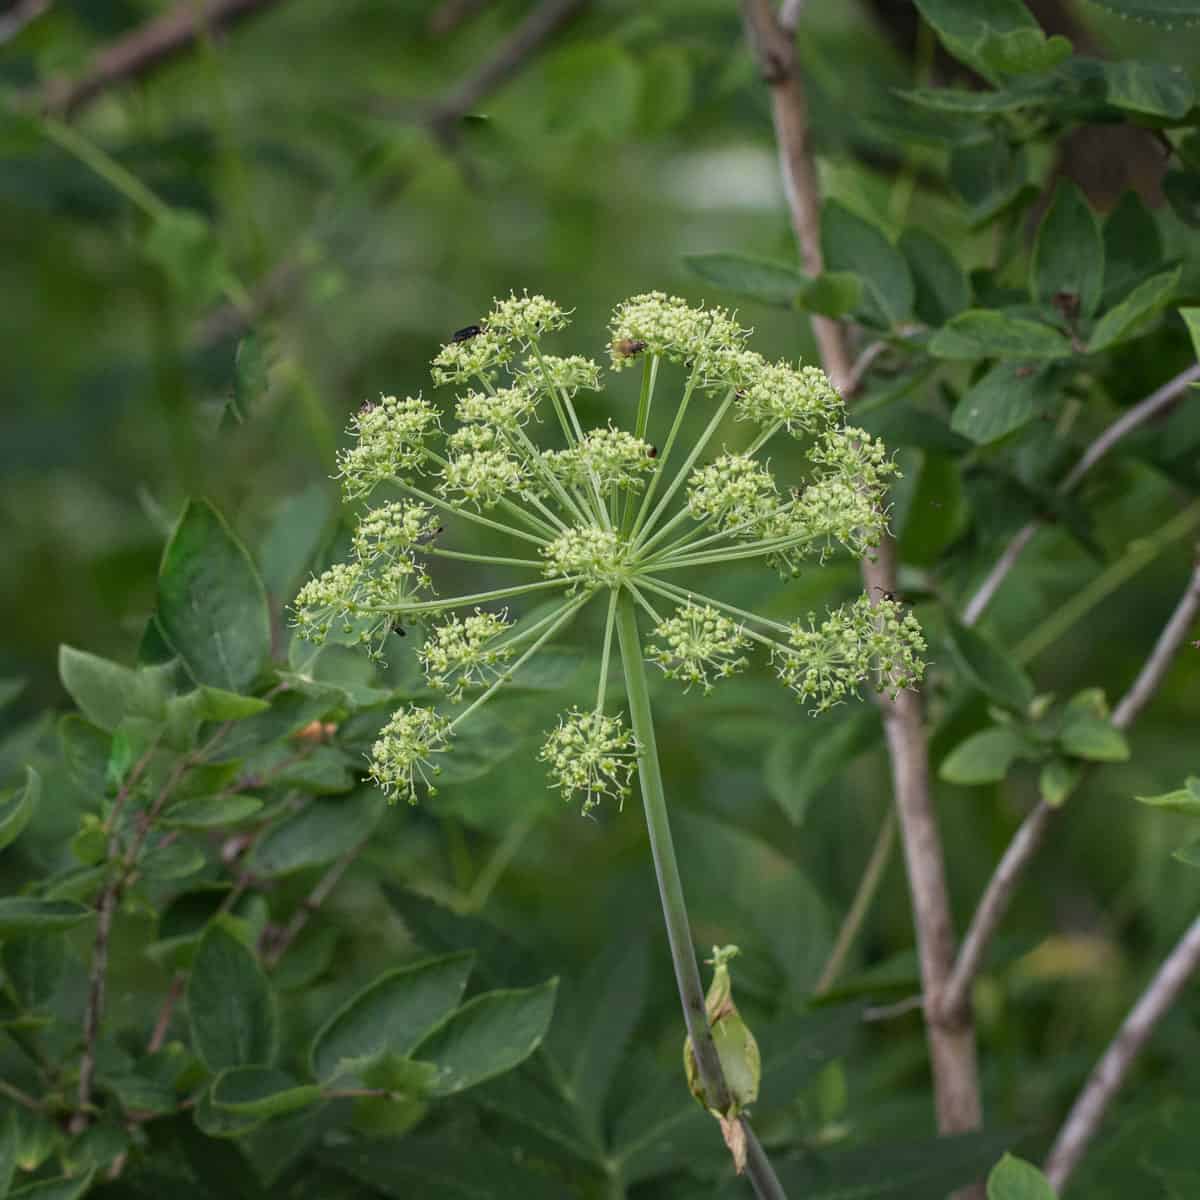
x,y
466,333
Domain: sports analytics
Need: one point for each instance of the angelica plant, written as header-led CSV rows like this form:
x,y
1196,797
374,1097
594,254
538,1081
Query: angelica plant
x,y
610,517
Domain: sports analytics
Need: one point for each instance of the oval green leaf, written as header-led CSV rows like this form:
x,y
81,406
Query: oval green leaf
x,y
983,758
1015,1179
230,1004
990,668
212,607
391,1014
489,1035
23,914
17,806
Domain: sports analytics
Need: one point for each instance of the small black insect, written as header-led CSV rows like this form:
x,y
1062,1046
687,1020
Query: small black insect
x,y
628,347
399,629
652,452
466,333
886,595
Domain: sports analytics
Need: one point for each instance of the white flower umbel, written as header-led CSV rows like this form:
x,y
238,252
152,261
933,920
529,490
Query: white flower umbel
x,y
607,512
625,517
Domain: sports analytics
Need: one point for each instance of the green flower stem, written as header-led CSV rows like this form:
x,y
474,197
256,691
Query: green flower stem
x,y
643,531
493,559
763,438
749,550
456,510
432,606
555,622
689,540
645,399
644,603
669,591
682,515
665,453
609,625
554,396
533,522
570,505
670,890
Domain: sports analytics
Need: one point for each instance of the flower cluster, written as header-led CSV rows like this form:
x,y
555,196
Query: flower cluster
x,y
858,641
612,459
390,441
461,653
699,644
658,324
606,513
590,755
402,753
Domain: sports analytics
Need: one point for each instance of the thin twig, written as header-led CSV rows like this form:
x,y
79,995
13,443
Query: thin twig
x,y
23,1098
1105,1081
868,885
512,54
23,13
311,903
951,1042
1137,416
143,49
998,894
159,1035
450,14
775,51
98,974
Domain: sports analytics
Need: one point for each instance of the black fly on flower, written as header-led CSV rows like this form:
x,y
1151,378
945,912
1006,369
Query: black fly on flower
x,y
609,516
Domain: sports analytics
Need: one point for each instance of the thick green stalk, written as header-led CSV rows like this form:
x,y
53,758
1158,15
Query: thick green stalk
x,y
670,890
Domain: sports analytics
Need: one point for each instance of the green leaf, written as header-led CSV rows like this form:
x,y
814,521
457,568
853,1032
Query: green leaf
x,y
319,833
34,966
899,1171
441,1168
832,294
813,753
1151,89
299,526
1132,243
100,688
606,1005
1157,12
934,511
1191,318
1189,854
177,860
852,244
212,608
1068,256
1093,738
994,37
1182,190
490,1034
1014,1179
992,669
262,1092
1005,399
987,333
1183,800
230,1005
593,90
1128,319
1057,780
989,174
17,806
211,812
250,378
66,1188
217,1122
941,287
774,283
8,1149
983,758
392,1013
20,915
